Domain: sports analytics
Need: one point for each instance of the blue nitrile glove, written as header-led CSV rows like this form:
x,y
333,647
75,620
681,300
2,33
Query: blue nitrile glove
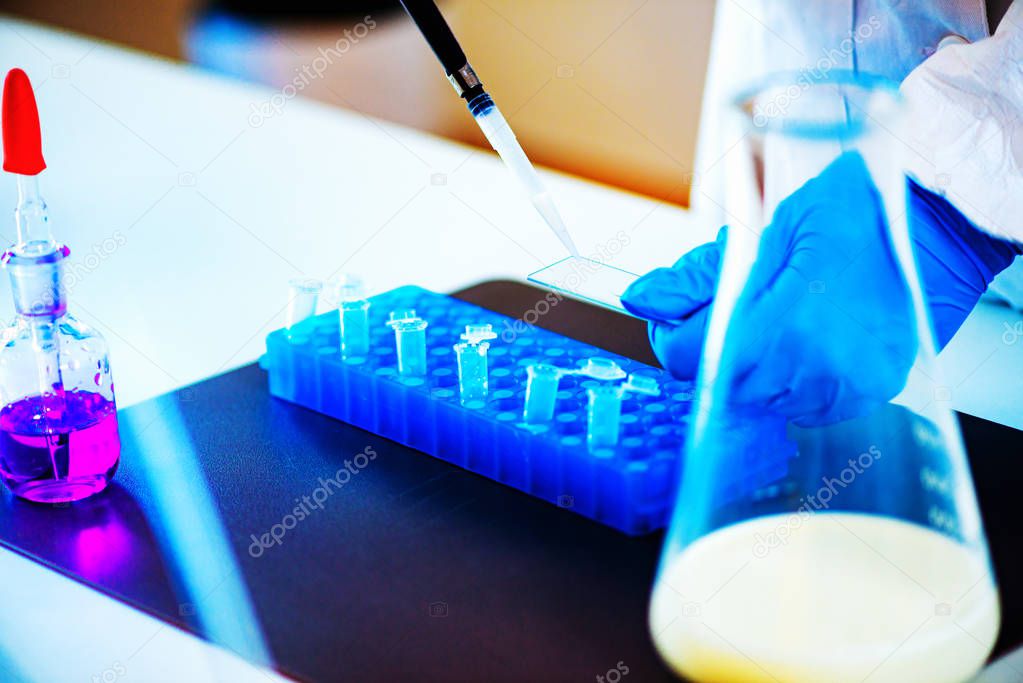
x,y
828,322
957,261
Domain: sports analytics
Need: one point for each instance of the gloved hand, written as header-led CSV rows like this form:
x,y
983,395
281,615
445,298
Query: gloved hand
x,y
824,330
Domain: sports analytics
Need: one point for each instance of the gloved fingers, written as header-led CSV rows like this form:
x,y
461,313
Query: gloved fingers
x,y
766,346
790,392
709,251
794,354
760,371
670,294
678,345
840,411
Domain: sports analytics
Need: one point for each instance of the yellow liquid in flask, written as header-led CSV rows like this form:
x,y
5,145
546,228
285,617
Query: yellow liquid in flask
x,y
826,597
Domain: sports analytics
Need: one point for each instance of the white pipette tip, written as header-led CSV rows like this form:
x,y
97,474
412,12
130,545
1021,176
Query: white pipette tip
x,y
566,240
545,207
502,139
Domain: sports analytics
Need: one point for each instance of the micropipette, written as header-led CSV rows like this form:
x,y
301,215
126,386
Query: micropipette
x,y
489,118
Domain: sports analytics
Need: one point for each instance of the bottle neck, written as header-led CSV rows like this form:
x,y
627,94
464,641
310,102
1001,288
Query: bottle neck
x,y
37,283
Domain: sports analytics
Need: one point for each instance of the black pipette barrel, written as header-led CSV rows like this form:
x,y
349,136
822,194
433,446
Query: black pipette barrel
x,y
467,84
438,34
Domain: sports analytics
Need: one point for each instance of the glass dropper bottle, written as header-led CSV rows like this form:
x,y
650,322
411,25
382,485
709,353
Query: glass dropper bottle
x,y
58,422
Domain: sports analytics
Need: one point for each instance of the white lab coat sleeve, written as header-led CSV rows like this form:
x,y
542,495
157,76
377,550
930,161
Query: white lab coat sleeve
x,y
965,127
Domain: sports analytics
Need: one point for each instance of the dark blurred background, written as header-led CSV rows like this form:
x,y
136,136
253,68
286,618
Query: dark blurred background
x,y
605,89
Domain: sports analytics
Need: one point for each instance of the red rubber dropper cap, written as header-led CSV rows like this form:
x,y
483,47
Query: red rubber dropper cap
x,y
23,147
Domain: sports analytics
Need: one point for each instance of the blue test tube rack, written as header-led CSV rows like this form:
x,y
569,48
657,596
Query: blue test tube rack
x,y
629,486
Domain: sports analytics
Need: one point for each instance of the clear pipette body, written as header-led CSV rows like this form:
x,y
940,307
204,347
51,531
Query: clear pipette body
x,y
500,136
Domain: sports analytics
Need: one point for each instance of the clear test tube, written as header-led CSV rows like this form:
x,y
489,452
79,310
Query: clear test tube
x,y
302,298
410,342
354,326
541,393
473,383
353,316
604,416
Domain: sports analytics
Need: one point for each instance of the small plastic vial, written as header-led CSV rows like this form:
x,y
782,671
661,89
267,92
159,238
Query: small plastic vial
x,y
410,342
604,416
353,317
541,393
471,353
472,371
303,296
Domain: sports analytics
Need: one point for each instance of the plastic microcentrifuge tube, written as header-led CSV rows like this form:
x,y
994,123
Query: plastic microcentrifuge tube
x,y
637,384
473,382
353,316
604,416
410,341
541,393
302,298
600,368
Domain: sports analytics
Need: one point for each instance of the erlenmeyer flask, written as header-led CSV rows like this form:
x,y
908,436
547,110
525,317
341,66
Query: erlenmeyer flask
x,y
867,560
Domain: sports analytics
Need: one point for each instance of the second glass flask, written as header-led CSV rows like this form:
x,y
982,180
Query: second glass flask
x,y
867,561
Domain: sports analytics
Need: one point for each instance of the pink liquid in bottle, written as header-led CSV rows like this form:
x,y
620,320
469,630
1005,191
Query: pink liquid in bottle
x,y
59,447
